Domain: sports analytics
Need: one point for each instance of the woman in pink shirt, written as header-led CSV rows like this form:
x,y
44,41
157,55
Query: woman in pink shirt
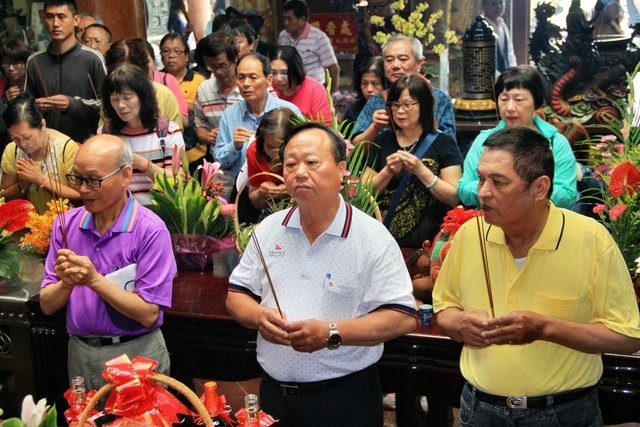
x,y
291,83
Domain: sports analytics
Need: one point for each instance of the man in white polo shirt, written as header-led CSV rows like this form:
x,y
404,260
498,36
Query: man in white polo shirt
x,y
313,45
341,283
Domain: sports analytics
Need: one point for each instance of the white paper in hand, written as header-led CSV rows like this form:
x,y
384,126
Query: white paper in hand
x,y
124,277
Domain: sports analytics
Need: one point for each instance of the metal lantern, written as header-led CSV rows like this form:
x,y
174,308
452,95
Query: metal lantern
x,y
479,60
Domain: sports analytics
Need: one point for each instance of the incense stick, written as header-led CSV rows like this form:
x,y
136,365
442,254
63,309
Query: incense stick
x,y
266,271
56,190
485,261
40,78
93,88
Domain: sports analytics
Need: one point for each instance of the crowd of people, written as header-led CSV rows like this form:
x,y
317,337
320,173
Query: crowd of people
x,y
92,120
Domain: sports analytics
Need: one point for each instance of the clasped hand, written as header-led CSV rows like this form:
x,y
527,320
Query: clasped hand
x,y
518,327
74,269
29,171
303,335
54,102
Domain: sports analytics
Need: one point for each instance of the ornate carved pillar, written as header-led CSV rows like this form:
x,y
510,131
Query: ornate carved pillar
x,y
125,18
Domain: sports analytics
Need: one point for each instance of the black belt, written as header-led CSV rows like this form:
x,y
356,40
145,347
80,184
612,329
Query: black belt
x,y
524,402
306,388
106,341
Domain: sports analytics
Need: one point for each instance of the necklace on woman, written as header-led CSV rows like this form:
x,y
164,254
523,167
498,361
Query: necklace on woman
x,y
408,148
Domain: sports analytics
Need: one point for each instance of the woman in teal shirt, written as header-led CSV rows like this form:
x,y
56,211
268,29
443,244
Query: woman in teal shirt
x,y
521,92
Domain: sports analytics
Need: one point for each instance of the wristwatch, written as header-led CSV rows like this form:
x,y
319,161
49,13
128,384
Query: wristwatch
x,y
335,339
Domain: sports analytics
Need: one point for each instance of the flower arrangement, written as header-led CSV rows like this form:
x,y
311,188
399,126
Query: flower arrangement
x,y
420,24
14,215
192,204
615,158
40,226
34,415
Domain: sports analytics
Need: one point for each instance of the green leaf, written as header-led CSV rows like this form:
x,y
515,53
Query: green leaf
x,y
13,422
50,420
9,262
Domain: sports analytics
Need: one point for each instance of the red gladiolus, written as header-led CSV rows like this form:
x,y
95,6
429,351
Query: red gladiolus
x,y
14,214
599,208
625,175
616,211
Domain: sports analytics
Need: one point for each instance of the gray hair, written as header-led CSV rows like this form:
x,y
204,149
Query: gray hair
x,y
125,156
416,45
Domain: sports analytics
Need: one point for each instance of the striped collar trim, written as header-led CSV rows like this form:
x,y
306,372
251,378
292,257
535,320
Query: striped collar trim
x,y
125,222
340,226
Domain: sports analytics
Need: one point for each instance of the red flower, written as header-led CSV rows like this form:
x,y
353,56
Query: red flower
x,y
616,211
456,217
599,208
624,176
14,214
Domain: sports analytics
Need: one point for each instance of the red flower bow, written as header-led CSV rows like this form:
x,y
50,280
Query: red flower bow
x,y
457,216
136,395
73,413
264,419
14,214
624,176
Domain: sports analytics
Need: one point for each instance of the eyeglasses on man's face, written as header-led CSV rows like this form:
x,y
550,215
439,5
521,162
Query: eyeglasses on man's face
x,y
406,106
219,67
176,52
91,182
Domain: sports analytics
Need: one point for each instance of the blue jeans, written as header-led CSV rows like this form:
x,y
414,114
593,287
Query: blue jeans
x,y
583,412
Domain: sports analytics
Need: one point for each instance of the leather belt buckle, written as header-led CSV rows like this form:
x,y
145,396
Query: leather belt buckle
x,y
517,402
94,342
289,390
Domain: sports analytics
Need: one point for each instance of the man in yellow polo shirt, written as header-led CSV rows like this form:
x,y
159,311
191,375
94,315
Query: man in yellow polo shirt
x,y
561,296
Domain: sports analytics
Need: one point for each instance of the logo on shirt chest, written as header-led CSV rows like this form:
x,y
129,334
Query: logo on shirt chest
x,y
277,251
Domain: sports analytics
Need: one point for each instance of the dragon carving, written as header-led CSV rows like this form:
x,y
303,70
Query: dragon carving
x,y
586,80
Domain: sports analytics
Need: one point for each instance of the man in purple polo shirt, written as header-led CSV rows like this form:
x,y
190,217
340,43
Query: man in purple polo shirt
x,y
115,269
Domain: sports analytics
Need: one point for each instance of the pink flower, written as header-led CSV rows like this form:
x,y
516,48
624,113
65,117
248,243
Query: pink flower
x,y
228,210
209,171
619,148
606,138
601,145
352,191
176,159
606,153
350,146
599,208
616,211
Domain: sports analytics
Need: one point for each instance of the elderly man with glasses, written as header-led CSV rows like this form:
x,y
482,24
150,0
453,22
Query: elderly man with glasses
x,y
110,265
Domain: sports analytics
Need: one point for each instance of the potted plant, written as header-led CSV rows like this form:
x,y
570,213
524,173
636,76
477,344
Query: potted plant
x,y
198,218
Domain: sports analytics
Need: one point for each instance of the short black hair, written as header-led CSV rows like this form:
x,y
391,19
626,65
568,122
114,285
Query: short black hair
x,y
275,122
523,77
215,44
128,52
299,8
173,36
531,152
71,4
338,144
238,27
15,50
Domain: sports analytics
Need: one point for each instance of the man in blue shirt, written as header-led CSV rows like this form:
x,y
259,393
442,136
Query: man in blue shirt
x,y
401,55
240,121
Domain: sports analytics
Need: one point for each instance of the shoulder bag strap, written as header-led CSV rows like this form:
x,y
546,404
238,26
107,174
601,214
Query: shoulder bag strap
x,y
406,176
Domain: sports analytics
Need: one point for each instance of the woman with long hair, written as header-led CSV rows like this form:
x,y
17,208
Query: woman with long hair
x,y
131,112
414,167
368,81
35,164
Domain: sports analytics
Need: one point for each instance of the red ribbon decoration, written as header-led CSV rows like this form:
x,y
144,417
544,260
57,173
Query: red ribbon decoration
x,y
135,394
264,419
222,411
73,413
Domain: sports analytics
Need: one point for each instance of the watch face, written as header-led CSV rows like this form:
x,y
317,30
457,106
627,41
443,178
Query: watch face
x,y
334,339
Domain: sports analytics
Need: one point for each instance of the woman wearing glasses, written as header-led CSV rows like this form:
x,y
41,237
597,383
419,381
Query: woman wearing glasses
x,y
35,164
414,167
131,112
520,91
291,83
13,55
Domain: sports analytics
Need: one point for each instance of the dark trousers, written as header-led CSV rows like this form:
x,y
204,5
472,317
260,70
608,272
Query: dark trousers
x,y
583,412
354,402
